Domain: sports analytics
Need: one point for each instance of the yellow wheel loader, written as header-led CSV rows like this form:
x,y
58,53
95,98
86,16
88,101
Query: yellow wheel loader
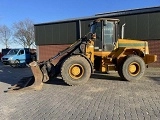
x,y
100,50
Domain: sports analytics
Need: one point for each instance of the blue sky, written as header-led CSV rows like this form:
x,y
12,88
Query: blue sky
x,y
41,11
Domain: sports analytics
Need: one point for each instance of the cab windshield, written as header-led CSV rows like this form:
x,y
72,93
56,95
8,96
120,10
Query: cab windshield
x,y
13,52
96,28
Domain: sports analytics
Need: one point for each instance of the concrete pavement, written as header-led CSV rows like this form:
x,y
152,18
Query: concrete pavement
x,y
104,97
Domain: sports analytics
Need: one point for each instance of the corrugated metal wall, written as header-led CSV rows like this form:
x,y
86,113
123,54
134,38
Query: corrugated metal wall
x,y
58,33
84,26
141,26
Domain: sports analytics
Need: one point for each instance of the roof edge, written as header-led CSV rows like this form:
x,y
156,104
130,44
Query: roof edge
x,y
108,14
132,11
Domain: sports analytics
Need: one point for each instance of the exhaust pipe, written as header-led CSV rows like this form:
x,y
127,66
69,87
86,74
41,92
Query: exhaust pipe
x,y
122,31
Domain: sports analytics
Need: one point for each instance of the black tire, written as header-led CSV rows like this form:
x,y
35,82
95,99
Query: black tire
x,y
5,63
15,64
120,65
120,71
76,70
132,69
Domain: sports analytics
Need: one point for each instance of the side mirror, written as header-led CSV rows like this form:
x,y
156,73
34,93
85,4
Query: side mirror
x,y
90,24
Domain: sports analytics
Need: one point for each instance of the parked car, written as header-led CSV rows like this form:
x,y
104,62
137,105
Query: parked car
x,y
18,56
4,52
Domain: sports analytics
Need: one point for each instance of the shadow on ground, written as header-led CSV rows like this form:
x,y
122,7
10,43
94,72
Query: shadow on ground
x,y
107,76
156,79
56,81
97,76
11,75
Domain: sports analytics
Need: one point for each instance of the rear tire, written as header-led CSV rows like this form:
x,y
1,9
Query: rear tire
x,y
76,70
132,69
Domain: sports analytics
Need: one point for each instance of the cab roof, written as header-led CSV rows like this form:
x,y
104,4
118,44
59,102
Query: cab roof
x,y
108,19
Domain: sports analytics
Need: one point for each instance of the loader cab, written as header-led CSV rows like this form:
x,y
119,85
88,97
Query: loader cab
x,y
106,31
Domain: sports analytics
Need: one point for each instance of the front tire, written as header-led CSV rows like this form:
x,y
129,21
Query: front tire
x,y
15,64
132,69
76,70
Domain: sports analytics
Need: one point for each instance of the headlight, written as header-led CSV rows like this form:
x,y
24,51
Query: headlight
x,y
10,58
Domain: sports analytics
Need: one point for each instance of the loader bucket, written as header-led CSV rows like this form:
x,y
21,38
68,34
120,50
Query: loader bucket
x,y
38,76
34,82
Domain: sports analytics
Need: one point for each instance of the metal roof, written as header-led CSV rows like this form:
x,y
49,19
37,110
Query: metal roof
x,y
109,14
132,11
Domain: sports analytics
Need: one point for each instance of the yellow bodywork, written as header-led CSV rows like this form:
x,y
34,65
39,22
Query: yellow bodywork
x,y
123,47
138,46
90,50
134,44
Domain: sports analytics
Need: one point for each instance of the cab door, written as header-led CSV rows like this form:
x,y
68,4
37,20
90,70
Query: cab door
x,y
109,37
21,56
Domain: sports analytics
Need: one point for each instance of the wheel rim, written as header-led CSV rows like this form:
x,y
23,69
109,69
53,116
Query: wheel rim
x,y
134,69
76,71
16,62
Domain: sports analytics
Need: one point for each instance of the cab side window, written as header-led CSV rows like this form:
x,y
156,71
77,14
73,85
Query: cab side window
x,y
21,52
109,33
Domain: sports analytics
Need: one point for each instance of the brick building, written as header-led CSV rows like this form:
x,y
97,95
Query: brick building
x,y
142,24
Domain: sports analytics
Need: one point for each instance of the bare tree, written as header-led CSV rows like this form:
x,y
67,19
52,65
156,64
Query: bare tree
x,y
24,33
5,35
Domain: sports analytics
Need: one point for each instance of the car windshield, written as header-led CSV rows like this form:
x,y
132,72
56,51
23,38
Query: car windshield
x,y
13,52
